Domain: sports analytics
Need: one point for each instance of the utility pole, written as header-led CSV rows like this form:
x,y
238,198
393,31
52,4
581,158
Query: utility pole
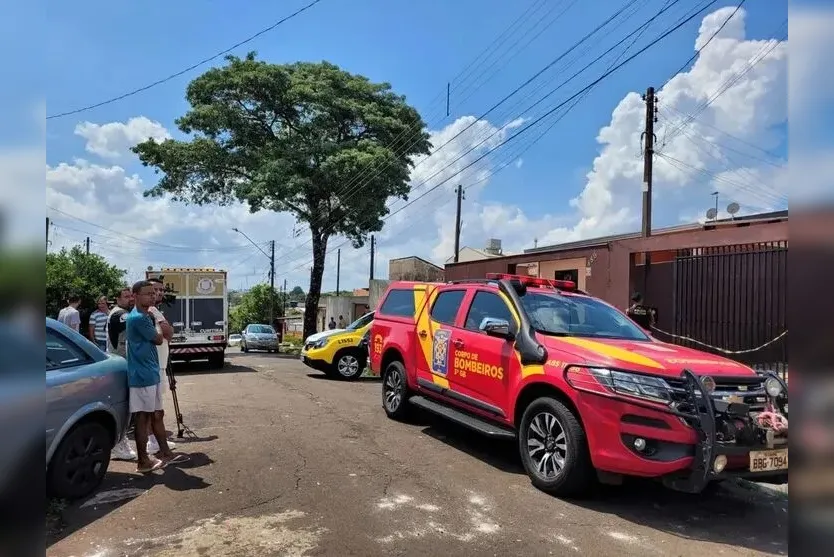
x,y
648,154
459,191
47,233
373,245
271,282
338,268
87,243
448,98
284,313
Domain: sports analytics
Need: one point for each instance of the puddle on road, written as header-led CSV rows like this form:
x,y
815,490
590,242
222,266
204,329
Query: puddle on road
x,y
219,536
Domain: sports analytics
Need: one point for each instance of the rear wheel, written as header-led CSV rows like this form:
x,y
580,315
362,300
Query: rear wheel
x,y
349,364
554,449
395,392
80,462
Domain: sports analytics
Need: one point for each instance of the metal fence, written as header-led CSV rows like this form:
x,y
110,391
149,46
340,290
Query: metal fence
x,y
732,300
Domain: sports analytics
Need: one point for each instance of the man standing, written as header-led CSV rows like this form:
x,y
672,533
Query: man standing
x,y
641,314
69,316
342,323
143,379
98,323
332,324
162,351
116,333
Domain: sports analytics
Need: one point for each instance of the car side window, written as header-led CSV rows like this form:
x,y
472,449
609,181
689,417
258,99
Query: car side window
x,y
446,306
487,304
63,353
398,303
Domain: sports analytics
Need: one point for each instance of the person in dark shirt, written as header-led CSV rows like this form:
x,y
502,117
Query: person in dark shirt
x,y
639,313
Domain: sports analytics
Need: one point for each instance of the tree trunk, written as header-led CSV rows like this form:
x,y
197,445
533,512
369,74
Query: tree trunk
x,y
311,305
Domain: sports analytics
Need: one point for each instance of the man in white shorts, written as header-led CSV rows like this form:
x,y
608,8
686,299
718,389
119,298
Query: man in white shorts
x,y
144,380
162,326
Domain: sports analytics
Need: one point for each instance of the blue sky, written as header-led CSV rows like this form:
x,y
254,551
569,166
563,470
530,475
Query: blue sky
x,y
96,50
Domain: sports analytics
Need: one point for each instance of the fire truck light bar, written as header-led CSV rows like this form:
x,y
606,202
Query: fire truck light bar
x,y
534,281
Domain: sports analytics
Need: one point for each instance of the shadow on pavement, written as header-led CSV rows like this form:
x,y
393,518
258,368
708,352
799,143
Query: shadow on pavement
x,y
363,379
201,366
120,488
735,513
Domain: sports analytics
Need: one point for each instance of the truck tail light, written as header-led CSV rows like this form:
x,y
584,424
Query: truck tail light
x,y
217,337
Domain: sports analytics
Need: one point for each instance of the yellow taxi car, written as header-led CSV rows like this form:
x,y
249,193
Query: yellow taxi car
x,y
339,353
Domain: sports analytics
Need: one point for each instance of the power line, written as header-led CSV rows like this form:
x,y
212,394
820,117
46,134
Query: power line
x,y
601,78
703,46
189,68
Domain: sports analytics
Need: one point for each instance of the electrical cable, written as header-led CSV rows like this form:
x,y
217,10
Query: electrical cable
x,y
186,70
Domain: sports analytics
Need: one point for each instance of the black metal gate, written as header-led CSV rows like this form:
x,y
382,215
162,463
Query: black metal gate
x,y
734,298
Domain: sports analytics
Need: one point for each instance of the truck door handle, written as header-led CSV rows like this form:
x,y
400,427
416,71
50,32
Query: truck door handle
x,y
423,334
458,343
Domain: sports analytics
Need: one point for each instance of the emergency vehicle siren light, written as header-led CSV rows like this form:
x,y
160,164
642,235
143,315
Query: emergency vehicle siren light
x,y
534,281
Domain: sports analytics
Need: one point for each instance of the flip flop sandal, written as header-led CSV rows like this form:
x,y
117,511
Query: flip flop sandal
x,y
178,459
155,466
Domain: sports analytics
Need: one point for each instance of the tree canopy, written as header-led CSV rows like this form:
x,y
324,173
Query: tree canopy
x,y
306,138
73,271
253,307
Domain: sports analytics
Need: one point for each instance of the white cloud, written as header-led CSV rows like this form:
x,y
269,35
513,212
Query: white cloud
x,y
608,203
114,140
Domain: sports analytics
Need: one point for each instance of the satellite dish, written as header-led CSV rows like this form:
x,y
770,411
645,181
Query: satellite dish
x,y
711,213
733,208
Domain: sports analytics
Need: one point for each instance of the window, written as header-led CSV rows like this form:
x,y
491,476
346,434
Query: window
x,y
260,330
63,353
487,304
579,316
361,322
446,306
399,303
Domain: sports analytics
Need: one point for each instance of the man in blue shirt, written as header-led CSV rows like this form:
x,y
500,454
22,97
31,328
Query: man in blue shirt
x,y
144,379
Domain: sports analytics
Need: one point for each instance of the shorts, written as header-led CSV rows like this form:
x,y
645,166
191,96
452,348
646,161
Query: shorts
x,y
146,399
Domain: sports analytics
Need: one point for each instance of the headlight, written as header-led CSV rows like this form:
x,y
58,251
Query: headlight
x,y
773,387
653,389
320,343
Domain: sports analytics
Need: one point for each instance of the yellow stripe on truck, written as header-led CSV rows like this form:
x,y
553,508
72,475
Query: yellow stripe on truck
x,y
424,295
612,352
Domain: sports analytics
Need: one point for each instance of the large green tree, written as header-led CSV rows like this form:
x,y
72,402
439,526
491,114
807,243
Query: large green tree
x,y
254,306
309,139
76,272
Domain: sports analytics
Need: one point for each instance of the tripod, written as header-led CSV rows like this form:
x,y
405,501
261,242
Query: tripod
x,y
182,429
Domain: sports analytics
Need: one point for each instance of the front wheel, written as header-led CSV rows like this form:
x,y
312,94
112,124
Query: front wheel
x,y
554,449
80,462
395,391
349,365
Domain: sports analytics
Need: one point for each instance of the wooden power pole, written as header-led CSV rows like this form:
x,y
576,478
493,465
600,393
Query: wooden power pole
x,y
87,244
373,248
272,282
648,154
338,268
459,191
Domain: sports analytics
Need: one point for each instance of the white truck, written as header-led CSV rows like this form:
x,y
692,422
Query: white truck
x,y
198,309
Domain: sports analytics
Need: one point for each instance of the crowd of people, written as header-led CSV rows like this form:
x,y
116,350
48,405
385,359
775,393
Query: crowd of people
x,y
135,329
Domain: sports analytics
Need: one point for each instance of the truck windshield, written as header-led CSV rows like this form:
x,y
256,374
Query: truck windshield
x,y
361,322
261,329
581,316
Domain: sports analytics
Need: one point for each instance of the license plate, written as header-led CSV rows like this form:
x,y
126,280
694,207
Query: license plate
x,y
767,461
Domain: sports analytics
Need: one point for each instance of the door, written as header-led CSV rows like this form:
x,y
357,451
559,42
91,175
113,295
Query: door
x,y
436,334
489,361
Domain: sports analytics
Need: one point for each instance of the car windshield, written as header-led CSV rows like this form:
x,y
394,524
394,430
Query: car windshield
x,y
581,316
261,329
234,336
361,322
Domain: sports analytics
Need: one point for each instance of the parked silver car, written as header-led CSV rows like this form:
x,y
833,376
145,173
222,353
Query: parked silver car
x,y
259,337
86,411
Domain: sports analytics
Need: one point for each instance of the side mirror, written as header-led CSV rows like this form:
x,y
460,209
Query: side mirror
x,y
496,327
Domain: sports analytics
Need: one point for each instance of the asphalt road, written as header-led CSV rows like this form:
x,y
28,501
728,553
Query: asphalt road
x,y
287,462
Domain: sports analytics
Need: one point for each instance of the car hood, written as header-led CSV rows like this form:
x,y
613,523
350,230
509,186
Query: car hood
x,y
323,334
654,357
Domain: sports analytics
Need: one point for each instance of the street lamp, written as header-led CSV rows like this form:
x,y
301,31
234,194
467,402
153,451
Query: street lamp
x,y
271,257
